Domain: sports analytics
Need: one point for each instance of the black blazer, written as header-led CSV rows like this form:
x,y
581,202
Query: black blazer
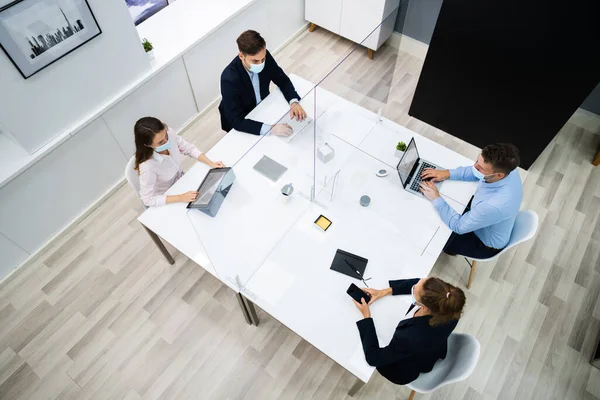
x,y
415,347
238,97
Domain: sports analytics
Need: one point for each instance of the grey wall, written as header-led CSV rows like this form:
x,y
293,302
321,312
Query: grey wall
x,y
592,103
417,18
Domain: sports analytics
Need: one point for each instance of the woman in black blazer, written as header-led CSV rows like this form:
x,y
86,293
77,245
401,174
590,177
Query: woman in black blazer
x,y
418,341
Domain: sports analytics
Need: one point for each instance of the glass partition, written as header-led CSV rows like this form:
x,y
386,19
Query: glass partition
x,y
273,185
340,163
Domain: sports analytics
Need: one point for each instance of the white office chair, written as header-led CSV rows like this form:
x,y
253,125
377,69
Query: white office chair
x,y
460,361
525,228
132,177
134,181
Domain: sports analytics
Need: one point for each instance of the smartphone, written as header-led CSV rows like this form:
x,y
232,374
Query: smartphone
x,y
357,294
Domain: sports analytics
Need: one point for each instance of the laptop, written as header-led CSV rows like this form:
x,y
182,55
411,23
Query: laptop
x,y
410,168
297,127
213,190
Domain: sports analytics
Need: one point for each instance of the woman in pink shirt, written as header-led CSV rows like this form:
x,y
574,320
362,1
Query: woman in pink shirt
x,y
159,153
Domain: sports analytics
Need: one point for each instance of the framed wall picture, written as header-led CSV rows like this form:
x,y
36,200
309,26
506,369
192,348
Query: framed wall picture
x,y
141,10
36,33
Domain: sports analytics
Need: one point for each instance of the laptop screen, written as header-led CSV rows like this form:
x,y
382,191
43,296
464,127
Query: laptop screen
x,y
209,187
407,162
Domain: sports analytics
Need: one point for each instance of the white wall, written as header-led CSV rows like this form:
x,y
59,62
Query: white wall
x,y
38,109
41,201
167,96
50,194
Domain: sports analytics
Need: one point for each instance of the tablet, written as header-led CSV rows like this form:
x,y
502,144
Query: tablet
x,y
269,168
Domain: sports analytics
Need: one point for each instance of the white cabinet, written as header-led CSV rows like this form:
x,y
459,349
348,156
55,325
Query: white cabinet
x,y
368,22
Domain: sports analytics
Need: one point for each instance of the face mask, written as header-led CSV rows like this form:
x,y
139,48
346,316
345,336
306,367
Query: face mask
x,y
479,175
412,296
164,147
257,68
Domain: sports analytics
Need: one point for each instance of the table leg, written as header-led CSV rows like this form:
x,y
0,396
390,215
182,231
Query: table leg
x,y
160,246
596,161
356,387
242,304
251,311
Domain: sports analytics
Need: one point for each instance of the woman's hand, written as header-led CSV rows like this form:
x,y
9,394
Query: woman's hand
x,y
217,164
187,197
376,293
363,307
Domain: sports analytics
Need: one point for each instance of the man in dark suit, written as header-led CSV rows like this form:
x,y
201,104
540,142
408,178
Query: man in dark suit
x,y
419,341
245,83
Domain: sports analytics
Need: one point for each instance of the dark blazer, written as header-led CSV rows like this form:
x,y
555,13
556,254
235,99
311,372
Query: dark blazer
x,y
415,347
238,97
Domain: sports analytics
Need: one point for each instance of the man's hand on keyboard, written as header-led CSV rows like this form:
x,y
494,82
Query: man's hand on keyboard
x,y
297,112
437,175
429,190
282,130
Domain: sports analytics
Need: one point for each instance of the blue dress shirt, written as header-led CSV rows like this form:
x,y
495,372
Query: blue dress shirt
x,y
493,210
254,78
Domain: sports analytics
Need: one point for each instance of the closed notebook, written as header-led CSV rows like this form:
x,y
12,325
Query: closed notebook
x,y
349,264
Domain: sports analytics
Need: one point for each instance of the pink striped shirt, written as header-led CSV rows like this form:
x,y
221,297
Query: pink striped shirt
x,y
160,172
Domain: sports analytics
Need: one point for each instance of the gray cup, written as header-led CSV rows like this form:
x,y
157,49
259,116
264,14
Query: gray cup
x,y
365,201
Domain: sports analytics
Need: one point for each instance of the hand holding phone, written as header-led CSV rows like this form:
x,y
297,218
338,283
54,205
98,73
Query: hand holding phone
x,y
358,294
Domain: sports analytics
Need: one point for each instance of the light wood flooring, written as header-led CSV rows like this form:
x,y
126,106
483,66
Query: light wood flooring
x,y
101,315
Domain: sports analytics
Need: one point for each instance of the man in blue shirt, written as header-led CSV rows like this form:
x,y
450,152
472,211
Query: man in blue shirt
x,y
484,229
245,83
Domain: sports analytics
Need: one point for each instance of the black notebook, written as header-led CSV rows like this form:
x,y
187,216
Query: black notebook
x,y
349,264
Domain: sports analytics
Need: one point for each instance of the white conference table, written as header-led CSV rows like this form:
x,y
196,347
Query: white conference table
x,y
265,246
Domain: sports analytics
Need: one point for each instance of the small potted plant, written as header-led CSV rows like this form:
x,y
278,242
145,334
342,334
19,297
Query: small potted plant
x,y
400,149
148,48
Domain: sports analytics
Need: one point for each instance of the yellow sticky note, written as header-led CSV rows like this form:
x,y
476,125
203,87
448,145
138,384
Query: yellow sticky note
x,y
323,222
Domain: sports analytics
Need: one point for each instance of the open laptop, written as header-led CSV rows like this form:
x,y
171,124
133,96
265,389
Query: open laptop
x,y
410,168
213,190
297,127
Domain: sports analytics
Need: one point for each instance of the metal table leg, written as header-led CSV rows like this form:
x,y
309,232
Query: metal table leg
x,y
242,304
160,245
251,311
356,387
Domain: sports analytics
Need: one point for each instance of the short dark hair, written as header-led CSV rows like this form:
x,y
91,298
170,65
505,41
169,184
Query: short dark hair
x,y
250,42
504,157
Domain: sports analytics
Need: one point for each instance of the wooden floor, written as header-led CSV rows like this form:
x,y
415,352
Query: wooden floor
x,y
101,315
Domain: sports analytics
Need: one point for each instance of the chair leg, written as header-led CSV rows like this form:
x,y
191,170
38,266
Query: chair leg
x,y
471,274
412,395
596,161
370,53
312,27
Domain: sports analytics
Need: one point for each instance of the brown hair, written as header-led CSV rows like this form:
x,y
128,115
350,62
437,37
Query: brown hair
x,y
445,301
144,131
250,42
504,157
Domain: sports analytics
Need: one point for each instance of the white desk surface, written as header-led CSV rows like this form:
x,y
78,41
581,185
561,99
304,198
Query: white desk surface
x,y
271,243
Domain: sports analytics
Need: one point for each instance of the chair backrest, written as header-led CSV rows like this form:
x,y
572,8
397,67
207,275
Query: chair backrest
x,y
132,176
526,225
460,361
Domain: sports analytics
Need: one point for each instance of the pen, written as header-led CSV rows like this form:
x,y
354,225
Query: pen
x,y
351,266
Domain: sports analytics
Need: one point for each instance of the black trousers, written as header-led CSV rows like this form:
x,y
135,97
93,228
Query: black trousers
x,y
468,244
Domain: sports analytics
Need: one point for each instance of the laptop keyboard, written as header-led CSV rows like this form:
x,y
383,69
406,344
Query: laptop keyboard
x,y
296,126
416,183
